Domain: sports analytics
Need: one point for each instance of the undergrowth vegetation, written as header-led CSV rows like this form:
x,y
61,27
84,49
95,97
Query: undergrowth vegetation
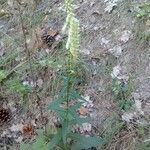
x,y
25,62
49,76
142,14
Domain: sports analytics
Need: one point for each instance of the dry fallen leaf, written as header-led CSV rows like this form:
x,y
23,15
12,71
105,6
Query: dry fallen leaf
x,y
27,129
36,41
83,111
40,82
147,23
45,18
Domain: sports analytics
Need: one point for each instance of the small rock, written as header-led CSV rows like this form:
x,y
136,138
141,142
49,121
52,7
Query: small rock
x,y
92,3
116,71
19,139
104,41
127,117
16,128
110,6
96,28
116,51
85,51
138,106
87,127
125,36
10,3
29,83
92,19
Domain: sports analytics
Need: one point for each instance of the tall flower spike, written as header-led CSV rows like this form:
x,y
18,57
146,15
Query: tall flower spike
x,y
73,38
69,10
68,6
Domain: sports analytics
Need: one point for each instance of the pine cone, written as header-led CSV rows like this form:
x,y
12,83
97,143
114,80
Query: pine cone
x,y
49,37
5,116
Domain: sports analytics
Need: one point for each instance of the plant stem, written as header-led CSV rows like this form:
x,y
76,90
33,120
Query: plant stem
x,y
24,37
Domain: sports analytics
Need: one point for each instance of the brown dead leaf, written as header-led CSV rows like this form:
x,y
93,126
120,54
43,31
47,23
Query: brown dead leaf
x,y
45,18
147,23
36,41
40,82
27,129
82,111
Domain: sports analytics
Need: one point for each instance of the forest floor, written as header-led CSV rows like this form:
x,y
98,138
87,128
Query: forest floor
x,y
115,72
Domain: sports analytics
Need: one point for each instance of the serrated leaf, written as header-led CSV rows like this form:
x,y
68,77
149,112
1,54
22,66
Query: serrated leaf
x,y
16,86
24,146
75,107
75,95
38,144
70,116
55,141
65,130
82,120
54,104
61,113
83,142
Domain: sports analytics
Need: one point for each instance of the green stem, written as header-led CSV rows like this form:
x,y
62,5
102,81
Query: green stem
x,y
68,88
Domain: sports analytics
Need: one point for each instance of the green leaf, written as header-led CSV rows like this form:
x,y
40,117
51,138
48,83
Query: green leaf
x,y
65,130
55,141
61,113
83,142
75,107
59,110
3,75
55,103
82,120
24,146
39,144
70,116
15,85
75,95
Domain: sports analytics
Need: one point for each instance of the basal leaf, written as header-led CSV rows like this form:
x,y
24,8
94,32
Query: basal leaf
x,y
83,142
55,141
65,130
3,75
